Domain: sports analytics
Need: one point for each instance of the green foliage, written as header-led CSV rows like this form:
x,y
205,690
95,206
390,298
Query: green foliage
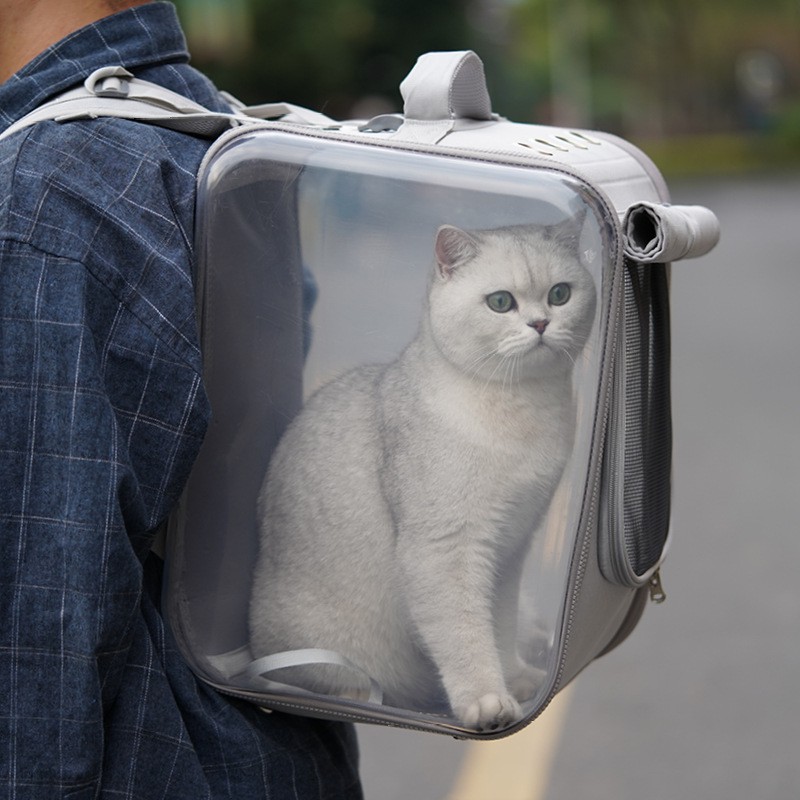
x,y
328,55
647,68
787,127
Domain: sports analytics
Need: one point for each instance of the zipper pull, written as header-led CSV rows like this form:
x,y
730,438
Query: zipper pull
x,y
657,593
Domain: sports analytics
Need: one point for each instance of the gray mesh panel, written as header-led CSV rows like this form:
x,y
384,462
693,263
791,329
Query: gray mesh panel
x,y
648,430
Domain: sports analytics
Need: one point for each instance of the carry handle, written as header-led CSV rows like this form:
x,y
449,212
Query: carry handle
x,y
442,88
448,85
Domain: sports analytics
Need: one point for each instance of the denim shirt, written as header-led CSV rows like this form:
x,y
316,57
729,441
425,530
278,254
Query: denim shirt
x,y
102,412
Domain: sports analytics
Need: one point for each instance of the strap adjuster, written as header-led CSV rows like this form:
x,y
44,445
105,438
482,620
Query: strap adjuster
x,y
108,82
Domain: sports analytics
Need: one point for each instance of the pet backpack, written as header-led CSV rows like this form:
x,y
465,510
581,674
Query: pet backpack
x,y
436,484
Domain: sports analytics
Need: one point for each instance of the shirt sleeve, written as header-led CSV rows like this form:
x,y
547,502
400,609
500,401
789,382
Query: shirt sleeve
x,y
100,421
102,413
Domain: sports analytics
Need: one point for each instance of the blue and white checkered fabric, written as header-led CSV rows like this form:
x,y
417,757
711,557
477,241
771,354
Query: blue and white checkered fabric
x,y
102,411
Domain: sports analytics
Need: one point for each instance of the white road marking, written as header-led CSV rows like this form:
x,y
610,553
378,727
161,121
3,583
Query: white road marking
x,y
515,768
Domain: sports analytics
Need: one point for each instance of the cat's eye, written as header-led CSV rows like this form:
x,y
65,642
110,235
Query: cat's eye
x,y
501,302
559,294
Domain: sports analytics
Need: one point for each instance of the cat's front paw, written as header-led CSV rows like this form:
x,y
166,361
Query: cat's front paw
x,y
491,712
526,681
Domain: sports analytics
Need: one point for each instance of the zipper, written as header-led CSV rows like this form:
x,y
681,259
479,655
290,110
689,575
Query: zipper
x,y
657,593
613,518
615,537
616,462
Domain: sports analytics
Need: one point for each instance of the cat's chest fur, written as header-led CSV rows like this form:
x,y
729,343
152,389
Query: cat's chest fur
x,y
474,452
520,427
401,503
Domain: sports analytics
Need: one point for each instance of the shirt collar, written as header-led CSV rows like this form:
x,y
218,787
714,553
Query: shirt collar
x,y
141,36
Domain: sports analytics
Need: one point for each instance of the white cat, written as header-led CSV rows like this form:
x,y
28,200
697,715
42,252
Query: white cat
x,y
401,502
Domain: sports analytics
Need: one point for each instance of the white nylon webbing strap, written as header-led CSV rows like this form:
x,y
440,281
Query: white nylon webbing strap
x,y
659,234
114,92
440,89
314,656
288,112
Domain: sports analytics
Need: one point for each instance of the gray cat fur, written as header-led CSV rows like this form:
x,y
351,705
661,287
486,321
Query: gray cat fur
x,y
400,504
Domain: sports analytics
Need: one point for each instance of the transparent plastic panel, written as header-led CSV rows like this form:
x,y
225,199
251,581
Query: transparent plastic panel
x,y
402,355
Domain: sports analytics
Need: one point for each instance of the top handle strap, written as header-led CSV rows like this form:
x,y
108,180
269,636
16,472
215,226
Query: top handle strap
x,y
446,86
441,89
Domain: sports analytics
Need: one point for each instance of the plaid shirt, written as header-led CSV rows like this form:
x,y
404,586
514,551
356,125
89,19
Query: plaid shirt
x,y
103,411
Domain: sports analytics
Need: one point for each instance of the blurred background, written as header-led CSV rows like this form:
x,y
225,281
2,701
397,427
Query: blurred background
x,y
702,701
702,84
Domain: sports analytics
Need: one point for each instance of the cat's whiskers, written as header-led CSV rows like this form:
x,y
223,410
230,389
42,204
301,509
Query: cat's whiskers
x,y
480,356
500,362
512,371
480,349
504,362
489,380
511,345
511,364
518,364
508,365
567,353
515,370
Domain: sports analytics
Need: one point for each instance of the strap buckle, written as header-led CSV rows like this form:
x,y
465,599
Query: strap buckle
x,y
108,82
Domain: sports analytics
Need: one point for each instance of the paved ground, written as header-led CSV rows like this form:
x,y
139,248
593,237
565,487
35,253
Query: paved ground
x,y
702,702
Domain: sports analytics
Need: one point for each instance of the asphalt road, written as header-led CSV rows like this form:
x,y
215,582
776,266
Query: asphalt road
x,y
702,701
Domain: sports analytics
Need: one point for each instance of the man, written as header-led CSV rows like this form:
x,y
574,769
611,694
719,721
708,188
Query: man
x,y
102,411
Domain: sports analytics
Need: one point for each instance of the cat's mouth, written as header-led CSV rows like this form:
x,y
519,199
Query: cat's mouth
x,y
539,343
529,347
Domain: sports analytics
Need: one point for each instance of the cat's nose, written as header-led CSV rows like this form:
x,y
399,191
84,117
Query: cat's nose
x,y
539,325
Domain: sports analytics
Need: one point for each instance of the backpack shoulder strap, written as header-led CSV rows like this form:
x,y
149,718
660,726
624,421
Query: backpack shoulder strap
x,y
114,92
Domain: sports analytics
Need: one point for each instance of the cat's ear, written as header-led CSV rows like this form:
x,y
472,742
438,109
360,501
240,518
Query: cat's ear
x,y
454,247
568,232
